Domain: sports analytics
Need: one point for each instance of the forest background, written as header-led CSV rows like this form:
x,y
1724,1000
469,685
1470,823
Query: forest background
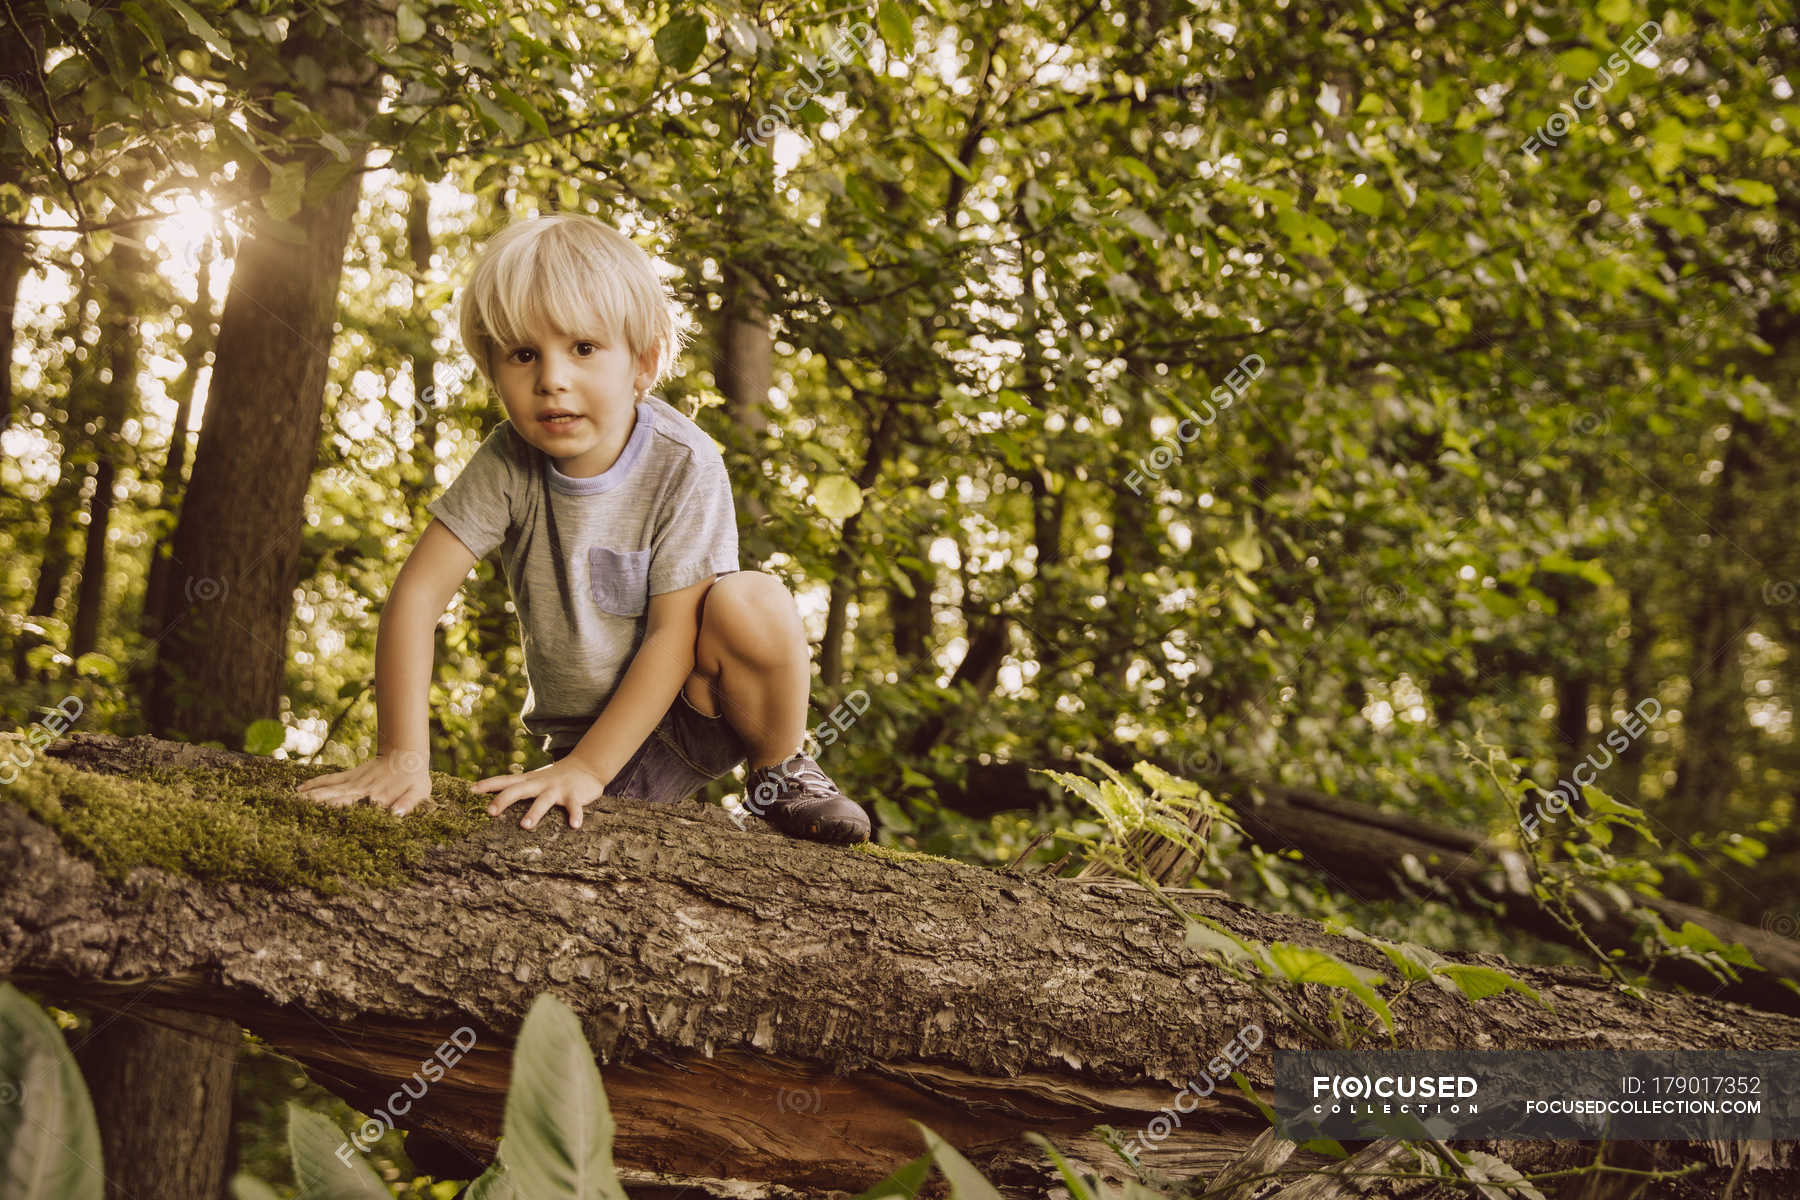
x,y
1293,395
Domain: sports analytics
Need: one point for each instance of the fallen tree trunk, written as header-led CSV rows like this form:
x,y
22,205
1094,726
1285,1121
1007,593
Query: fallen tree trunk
x,y
764,1010
1371,855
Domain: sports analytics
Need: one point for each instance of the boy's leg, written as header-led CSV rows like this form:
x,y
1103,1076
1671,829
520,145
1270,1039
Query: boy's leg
x,y
752,665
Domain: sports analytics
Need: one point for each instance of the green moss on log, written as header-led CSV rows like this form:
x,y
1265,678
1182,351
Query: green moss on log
x,y
244,824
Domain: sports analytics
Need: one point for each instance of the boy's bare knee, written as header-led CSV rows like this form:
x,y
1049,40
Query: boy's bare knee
x,y
752,616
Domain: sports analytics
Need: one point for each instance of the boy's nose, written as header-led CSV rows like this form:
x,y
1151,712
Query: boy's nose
x,y
552,377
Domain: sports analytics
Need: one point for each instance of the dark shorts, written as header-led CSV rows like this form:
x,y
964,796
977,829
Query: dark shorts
x,y
686,751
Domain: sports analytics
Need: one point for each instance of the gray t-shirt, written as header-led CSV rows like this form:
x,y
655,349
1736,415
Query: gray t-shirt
x,y
583,556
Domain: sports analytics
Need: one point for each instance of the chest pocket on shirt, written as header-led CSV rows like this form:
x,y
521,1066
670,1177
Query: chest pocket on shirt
x,y
619,580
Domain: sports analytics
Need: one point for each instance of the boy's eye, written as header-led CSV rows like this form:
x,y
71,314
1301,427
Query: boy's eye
x,y
586,348
522,355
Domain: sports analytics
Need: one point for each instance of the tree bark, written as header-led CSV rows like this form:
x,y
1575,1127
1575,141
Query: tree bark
x,y
176,1063
1712,721
732,981
222,661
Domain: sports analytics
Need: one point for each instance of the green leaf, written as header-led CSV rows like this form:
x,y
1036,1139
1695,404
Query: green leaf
x,y
896,29
1704,941
1558,563
523,107
1246,549
1614,12
1363,198
1753,191
1603,808
1134,166
264,736
143,20
249,1187
1577,64
966,1182
950,160
558,1130
1478,983
32,130
1306,234
1412,961
49,1140
838,497
680,42
320,1170
905,1182
408,25
1481,1168
1078,1188
1305,965
494,1184
893,816
505,119
287,186
823,456
199,28
1204,933
97,664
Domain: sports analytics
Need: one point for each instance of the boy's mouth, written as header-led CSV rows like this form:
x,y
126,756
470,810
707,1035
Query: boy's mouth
x,y
559,420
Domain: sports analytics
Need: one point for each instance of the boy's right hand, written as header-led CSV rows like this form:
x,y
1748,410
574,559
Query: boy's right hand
x,y
398,781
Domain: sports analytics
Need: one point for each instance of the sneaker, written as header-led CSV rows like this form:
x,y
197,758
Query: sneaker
x,y
798,798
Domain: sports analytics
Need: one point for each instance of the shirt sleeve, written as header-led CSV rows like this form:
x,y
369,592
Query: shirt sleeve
x,y
477,506
696,534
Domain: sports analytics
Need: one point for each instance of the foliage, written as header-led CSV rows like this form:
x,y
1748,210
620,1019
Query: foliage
x,y
1589,863
49,1141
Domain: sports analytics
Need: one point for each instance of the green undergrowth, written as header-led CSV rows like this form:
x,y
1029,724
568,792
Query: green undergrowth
x,y
245,825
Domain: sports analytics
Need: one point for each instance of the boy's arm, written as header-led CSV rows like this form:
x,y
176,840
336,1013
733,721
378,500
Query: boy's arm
x,y
397,778
659,669
404,645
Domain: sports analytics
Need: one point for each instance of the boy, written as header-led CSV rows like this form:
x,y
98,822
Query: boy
x,y
654,664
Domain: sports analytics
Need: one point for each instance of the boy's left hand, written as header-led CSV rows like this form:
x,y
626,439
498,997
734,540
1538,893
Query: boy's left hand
x,y
566,783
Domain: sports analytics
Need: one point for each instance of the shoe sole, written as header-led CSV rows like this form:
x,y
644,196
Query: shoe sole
x,y
834,835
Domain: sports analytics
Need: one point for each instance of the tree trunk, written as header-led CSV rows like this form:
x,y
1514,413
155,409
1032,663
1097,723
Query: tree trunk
x,y
737,980
175,1063
174,472
13,258
59,516
743,367
428,405
222,660
67,492
1712,720
21,62
121,343
910,616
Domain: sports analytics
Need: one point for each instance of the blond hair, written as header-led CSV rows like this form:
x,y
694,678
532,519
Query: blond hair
x,y
575,274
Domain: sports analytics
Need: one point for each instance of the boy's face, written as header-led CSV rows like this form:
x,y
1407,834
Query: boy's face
x,y
571,395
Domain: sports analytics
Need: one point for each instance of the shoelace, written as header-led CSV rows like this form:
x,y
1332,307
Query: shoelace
x,y
807,776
